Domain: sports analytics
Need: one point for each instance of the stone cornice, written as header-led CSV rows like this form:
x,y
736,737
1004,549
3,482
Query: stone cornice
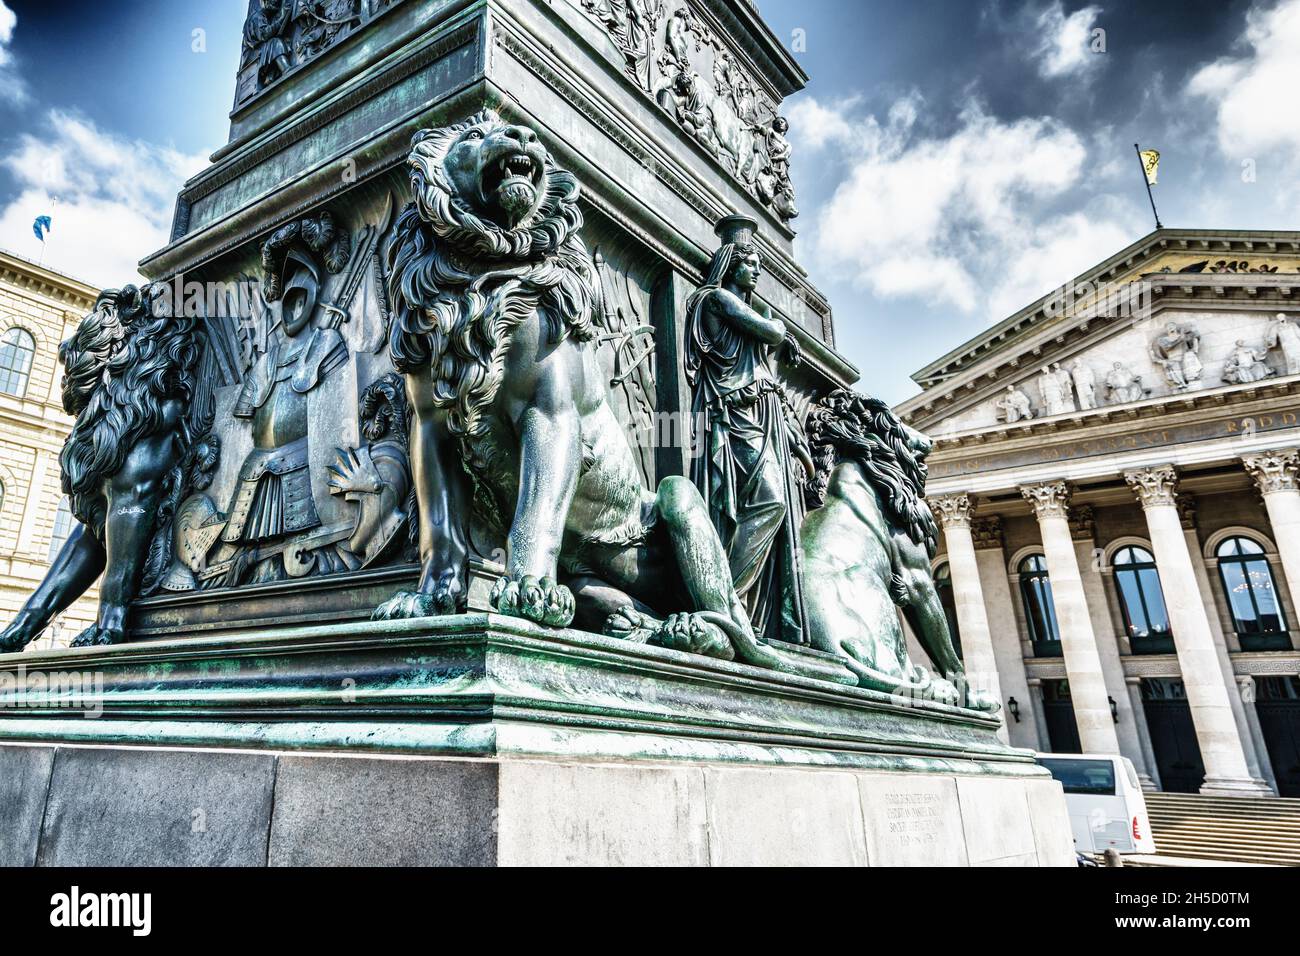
x,y
1154,487
1051,499
1065,338
24,275
1274,471
1222,243
1159,407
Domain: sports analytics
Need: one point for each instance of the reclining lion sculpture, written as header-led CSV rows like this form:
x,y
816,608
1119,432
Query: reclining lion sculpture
x,y
493,292
867,548
128,378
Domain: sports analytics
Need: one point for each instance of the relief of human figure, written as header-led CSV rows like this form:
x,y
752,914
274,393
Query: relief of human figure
x,y
746,466
1085,384
1014,406
272,503
1245,365
264,40
1123,386
1052,391
1177,352
1284,335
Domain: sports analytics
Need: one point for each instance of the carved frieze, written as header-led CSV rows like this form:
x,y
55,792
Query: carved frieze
x,y
281,35
674,56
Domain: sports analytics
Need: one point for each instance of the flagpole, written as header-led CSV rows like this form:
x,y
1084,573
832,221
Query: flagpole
x,y
1147,180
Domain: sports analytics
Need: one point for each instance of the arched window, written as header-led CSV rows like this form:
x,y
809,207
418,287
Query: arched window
x,y
1143,602
943,585
1040,612
1248,584
62,528
17,348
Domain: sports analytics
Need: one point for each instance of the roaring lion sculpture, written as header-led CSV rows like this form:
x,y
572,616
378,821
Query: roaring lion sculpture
x,y
867,548
128,379
493,292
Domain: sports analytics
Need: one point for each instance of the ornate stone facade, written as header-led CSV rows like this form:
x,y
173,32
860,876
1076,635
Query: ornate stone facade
x,y
1186,459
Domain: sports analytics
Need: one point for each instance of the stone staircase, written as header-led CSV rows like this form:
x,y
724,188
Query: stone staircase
x,y
1245,829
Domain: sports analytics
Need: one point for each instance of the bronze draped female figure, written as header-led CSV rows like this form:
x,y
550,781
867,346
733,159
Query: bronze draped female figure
x,y
747,442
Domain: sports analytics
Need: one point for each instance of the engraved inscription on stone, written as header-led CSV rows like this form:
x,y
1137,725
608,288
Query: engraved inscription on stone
x,y
912,819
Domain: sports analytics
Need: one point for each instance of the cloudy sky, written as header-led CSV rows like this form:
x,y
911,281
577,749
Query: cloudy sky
x,y
954,159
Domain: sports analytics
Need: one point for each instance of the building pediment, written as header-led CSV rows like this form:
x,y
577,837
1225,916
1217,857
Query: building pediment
x,y
1165,250
1112,345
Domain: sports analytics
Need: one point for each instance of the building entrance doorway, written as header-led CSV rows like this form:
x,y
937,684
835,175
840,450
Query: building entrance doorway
x,y
1277,704
1058,714
1173,735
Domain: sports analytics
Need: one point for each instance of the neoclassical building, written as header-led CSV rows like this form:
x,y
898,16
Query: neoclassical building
x,y
1116,474
39,308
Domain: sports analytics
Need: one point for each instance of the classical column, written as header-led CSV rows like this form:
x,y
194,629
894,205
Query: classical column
x,y
954,513
1040,714
1150,780
1246,694
1226,770
1050,502
999,608
1275,474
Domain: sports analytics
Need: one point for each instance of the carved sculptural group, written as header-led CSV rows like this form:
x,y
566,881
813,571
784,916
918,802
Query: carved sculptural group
x,y
1176,352
502,413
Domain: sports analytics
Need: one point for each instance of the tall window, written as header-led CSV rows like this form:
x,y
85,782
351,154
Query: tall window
x,y
1040,612
1248,584
17,348
943,585
62,527
1142,601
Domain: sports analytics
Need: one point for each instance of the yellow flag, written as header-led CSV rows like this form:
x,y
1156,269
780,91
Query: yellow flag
x,y
1150,160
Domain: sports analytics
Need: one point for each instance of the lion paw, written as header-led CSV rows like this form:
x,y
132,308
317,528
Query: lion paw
x,y
534,599
629,624
694,635
96,636
406,604
982,700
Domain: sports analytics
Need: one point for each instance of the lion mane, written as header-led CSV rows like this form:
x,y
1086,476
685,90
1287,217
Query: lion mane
x,y
845,426
126,360
461,284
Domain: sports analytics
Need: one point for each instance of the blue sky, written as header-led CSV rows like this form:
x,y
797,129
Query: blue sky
x,y
954,159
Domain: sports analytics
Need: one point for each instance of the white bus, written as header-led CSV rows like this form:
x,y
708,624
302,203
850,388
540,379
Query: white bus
x,y
1107,809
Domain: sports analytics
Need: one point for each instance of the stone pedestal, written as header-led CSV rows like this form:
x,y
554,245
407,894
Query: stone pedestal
x,y
477,739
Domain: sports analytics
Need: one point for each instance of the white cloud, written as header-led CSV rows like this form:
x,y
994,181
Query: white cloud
x,y
1255,93
111,199
1065,48
12,87
966,221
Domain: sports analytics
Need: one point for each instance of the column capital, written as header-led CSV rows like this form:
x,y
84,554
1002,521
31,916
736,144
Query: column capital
x,y
1082,523
987,532
1274,471
1051,499
952,511
1154,487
